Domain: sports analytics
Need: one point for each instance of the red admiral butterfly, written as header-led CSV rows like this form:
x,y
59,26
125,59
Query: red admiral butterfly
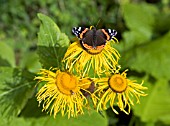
x,y
92,38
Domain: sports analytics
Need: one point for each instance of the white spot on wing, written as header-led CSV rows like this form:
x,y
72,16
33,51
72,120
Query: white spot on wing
x,y
79,29
109,30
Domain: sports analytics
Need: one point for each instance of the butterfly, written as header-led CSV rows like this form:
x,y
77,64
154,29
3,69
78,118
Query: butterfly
x,y
91,38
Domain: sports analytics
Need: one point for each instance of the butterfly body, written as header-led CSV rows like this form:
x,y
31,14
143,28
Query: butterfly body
x,y
92,38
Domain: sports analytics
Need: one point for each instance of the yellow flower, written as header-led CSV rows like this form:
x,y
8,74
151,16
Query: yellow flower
x,y
62,93
118,89
82,60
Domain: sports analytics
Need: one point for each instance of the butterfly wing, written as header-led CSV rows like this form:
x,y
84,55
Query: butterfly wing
x,y
88,39
109,33
92,39
79,31
100,41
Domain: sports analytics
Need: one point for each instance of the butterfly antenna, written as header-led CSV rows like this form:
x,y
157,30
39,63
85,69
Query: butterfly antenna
x,y
98,22
91,25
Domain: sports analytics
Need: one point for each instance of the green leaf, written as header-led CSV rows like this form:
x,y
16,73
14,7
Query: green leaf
x,y
162,24
152,57
16,87
139,16
7,57
134,37
30,62
140,19
32,109
52,44
155,106
91,119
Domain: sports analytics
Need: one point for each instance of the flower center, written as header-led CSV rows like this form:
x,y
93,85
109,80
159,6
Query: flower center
x,y
117,83
67,83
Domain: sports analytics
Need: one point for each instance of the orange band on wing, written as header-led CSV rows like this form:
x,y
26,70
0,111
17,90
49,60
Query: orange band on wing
x,y
81,35
108,37
90,47
87,46
100,47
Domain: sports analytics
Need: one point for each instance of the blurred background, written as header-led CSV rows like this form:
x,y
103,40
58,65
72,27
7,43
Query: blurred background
x,y
144,44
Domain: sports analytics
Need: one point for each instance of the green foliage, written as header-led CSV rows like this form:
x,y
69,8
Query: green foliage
x,y
139,19
143,31
52,44
145,50
6,55
156,106
140,23
83,120
30,62
154,57
16,87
